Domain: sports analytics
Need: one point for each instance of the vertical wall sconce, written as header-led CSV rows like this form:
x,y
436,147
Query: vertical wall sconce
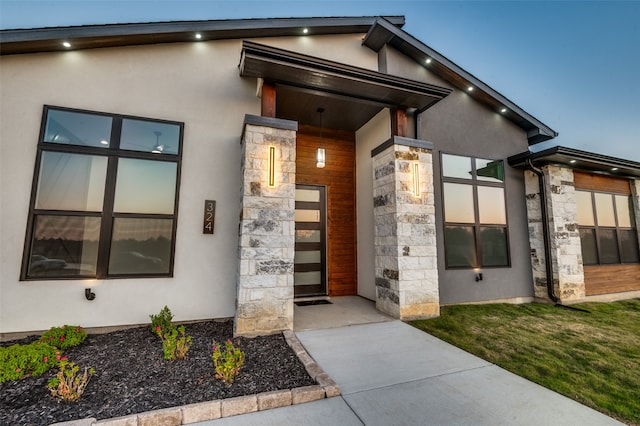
x,y
320,155
416,179
272,167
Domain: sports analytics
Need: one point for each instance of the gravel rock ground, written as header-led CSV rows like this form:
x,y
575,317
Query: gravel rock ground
x,y
132,375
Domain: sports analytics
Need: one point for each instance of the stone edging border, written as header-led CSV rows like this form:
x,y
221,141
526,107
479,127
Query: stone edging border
x,y
211,410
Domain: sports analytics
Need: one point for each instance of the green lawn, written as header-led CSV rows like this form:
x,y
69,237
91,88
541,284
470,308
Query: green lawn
x,y
593,358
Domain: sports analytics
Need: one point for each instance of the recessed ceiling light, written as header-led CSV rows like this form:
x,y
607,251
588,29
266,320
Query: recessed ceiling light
x,y
305,30
66,44
198,36
614,169
428,60
503,110
573,161
470,89
104,142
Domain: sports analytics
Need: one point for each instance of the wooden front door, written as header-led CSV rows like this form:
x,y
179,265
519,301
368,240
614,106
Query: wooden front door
x,y
310,262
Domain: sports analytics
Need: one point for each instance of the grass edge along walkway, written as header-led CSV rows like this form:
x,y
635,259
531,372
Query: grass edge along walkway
x,y
593,358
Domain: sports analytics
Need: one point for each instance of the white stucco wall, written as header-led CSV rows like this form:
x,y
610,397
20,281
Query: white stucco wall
x,y
369,136
196,83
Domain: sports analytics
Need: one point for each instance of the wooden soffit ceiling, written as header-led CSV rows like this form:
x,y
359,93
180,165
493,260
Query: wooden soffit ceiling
x,y
279,66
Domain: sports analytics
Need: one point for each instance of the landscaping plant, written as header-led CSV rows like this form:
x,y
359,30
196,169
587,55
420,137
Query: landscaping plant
x,y
65,337
161,323
68,385
175,347
18,361
227,361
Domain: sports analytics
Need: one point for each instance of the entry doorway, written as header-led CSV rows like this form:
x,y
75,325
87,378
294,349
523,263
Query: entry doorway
x,y
310,260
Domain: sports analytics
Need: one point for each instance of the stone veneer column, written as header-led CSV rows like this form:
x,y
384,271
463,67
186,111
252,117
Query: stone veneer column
x,y
405,234
566,250
267,227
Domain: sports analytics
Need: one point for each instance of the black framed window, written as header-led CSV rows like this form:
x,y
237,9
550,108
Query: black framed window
x,y
475,216
104,197
607,228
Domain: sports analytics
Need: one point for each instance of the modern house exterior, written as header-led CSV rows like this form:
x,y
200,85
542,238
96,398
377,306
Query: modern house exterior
x,y
228,168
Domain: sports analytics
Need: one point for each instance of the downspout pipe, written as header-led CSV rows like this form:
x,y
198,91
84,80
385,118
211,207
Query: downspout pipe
x,y
545,231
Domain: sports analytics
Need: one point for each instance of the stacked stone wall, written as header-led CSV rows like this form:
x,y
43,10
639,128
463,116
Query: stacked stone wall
x,y
568,273
405,243
536,235
267,227
566,250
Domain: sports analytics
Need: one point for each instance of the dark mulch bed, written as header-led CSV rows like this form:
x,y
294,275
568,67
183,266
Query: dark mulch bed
x,y
132,376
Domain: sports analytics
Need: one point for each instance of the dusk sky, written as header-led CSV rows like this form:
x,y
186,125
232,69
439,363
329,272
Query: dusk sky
x,y
573,65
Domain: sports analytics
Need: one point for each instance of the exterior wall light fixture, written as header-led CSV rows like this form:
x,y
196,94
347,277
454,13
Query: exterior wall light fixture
x,y
416,179
272,167
320,154
89,294
478,276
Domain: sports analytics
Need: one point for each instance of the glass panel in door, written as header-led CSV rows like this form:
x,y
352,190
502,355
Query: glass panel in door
x,y
310,276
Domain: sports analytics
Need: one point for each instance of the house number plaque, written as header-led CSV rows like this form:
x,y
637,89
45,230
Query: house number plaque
x,y
209,216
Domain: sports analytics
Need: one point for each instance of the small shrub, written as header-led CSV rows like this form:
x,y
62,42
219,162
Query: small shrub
x,y
227,361
68,385
175,344
65,337
161,323
18,361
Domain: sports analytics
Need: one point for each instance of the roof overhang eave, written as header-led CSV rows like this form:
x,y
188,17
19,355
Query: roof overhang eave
x,y
578,160
36,40
291,68
383,32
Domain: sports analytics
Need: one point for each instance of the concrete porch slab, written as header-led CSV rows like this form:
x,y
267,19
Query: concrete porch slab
x,y
343,311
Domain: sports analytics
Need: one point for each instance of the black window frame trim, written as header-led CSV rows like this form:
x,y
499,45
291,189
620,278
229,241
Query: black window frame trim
x,y
617,228
474,182
113,153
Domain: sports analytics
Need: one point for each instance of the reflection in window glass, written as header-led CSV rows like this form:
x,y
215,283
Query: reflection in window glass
x,y
589,249
458,203
140,246
460,246
150,136
307,278
145,186
308,195
493,242
312,256
585,208
491,206
456,166
629,245
624,209
64,246
75,128
608,246
604,209
307,215
489,170
71,182
307,236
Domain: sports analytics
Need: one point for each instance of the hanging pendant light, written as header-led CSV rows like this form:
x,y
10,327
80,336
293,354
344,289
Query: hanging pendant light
x,y
320,154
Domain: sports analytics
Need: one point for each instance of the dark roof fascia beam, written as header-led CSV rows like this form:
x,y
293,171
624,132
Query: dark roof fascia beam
x,y
579,160
312,73
384,32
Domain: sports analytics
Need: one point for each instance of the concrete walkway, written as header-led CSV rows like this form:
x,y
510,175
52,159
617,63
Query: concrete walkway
x,y
393,374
